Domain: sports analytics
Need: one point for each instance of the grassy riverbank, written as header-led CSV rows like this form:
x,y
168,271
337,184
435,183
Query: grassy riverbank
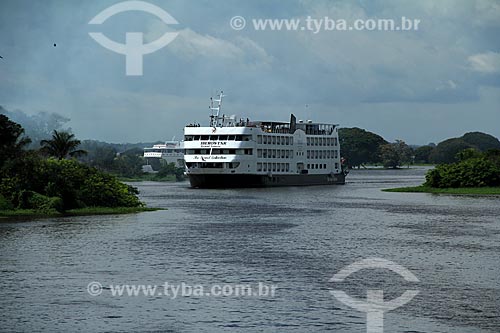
x,y
32,213
458,191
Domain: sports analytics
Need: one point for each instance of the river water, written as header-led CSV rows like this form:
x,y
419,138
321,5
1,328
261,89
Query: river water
x,y
294,239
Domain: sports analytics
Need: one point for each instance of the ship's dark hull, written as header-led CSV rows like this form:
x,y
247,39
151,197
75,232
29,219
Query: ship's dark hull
x,y
245,180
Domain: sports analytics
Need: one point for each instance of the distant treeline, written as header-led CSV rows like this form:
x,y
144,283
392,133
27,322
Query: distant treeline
x,y
361,147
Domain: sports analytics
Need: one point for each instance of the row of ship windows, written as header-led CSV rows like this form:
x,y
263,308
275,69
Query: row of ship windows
x,y
264,139
285,153
274,153
276,167
205,165
286,140
285,167
320,141
217,137
322,154
274,140
164,151
320,166
266,153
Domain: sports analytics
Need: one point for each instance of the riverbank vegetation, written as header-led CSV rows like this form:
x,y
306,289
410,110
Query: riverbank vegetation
x,y
458,190
35,213
474,172
50,182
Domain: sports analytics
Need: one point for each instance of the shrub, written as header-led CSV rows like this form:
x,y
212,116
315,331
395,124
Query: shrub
x,y
170,169
73,183
39,202
5,204
104,190
474,170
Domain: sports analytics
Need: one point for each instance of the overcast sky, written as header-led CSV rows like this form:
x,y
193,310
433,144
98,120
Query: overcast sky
x,y
420,86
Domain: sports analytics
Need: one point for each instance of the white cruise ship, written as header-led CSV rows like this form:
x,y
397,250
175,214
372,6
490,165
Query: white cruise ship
x,y
170,151
242,153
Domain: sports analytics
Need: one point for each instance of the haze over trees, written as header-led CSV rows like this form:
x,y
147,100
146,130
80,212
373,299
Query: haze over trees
x,y
49,131
38,126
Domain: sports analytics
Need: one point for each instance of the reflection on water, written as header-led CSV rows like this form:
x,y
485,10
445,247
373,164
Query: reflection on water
x,y
294,237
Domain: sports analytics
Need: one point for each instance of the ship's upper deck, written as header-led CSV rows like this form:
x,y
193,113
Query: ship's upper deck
x,y
229,125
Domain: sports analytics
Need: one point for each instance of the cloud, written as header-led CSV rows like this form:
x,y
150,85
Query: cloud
x,y
391,82
390,66
488,62
192,45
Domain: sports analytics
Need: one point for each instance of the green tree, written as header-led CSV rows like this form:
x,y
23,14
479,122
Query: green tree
x,y
396,154
447,150
171,169
389,156
422,154
468,153
359,146
62,145
103,158
481,141
128,165
11,140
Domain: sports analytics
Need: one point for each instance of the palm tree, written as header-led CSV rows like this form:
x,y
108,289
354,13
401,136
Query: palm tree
x,y
62,145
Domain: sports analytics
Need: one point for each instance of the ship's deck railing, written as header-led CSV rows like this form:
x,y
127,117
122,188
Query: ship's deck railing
x,y
282,127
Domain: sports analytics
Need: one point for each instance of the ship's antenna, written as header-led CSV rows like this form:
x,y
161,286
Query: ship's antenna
x,y
211,107
217,109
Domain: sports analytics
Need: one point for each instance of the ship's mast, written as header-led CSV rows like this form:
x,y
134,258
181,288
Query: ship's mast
x,y
215,120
